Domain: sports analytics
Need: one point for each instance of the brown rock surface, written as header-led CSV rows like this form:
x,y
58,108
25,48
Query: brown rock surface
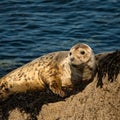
x,y
88,102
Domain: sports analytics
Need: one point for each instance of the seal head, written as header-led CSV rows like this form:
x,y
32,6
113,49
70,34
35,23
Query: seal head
x,y
80,54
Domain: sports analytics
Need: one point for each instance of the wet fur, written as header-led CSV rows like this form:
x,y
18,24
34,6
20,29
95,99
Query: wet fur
x,y
52,70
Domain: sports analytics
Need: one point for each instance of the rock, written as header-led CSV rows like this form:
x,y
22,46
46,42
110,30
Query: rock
x,y
98,100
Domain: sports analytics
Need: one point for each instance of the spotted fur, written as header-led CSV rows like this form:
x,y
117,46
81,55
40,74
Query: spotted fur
x,y
54,70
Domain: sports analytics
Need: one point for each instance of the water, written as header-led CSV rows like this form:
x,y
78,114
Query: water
x,y
31,28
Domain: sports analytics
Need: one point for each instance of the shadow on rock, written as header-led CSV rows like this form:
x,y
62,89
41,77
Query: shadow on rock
x,y
32,101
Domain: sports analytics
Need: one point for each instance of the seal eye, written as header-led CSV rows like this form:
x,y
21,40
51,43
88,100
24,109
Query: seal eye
x,y
70,53
82,52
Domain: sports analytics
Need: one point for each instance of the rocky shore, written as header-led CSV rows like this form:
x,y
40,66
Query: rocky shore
x,y
98,99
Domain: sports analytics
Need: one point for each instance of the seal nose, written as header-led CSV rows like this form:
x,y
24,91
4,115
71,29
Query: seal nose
x,y
72,58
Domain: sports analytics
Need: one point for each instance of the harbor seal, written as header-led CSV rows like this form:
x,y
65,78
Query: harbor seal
x,y
54,70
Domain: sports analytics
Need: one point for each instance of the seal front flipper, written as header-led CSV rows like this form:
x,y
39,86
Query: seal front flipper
x,y
55,87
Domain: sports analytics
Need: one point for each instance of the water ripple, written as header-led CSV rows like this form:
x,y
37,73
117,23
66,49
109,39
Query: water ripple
x,y
29,29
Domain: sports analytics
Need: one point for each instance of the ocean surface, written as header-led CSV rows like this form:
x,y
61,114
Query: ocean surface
x,y
31,28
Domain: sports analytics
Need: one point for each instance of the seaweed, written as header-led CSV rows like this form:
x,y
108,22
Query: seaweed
x,y
108,65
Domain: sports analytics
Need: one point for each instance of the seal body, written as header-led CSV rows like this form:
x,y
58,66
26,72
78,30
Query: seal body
x,y
55,70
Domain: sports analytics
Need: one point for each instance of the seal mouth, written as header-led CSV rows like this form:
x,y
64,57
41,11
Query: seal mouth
x,y
73,65
77,66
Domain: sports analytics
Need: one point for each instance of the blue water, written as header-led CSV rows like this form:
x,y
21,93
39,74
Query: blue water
x,y
31,28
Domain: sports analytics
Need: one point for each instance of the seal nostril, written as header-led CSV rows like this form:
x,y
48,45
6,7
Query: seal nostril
x,y
72,58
